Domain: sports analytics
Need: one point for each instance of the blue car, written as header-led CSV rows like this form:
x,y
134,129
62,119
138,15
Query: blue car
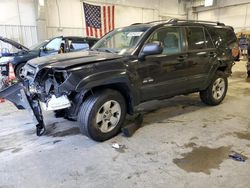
x,y
57,45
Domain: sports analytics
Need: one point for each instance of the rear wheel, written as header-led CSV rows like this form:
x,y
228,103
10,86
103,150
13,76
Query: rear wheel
x,y
102,115
216,91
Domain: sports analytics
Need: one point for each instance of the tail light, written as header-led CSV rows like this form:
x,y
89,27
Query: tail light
x,y
235,49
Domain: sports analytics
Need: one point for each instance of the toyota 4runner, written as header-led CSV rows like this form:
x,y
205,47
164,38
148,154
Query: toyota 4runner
x,y
128,66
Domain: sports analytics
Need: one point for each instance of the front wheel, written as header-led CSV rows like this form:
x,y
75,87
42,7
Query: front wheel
x,y
19,72
102,115
216,91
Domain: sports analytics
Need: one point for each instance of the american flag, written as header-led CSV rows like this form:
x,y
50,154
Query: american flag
x,y
99,19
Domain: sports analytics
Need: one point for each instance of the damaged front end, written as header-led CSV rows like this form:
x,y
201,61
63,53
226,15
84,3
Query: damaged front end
x,y
21,98
45,85
40,89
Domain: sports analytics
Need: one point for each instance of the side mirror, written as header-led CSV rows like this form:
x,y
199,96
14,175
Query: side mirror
x,y
153,48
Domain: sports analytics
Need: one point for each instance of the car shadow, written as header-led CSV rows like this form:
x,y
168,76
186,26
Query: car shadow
x,y
157,111
163,110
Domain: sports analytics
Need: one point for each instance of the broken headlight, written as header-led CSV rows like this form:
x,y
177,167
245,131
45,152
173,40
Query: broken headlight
x,y
60,77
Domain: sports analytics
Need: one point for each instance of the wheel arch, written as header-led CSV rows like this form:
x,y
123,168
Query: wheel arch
x,y
18,64
119,79
121,87
221,66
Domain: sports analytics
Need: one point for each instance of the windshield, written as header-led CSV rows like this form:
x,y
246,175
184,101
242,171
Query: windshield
x,y
121,40
39,45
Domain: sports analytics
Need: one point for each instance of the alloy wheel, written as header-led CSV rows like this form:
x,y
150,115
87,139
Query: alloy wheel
x,y
108,116
218,88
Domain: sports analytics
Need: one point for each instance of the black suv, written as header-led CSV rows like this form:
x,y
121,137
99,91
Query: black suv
x,y
61,44
128,66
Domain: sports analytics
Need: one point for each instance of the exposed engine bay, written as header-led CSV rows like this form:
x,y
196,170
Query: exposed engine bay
x,y
40,89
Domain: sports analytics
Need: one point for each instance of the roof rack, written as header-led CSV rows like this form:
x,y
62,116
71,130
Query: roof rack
x,y
162,21
199,21
136,23
175,20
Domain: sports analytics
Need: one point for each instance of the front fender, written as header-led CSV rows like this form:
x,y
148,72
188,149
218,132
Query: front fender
x,y
103,78
117,79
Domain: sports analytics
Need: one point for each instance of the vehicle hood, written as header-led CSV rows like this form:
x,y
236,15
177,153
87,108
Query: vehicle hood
x,y
14,43
69,60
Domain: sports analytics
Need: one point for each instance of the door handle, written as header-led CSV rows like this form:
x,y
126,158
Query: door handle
x,y
182,57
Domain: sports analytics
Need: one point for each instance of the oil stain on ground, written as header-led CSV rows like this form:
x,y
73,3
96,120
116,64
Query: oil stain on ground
x,y
190,145
245,136
194,138
202,159
56,141
2,150
16,150
69,132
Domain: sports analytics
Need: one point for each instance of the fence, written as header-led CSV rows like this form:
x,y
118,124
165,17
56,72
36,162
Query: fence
x,y
26,35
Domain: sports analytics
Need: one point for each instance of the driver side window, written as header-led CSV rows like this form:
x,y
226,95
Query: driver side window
x,y
169,38
54,45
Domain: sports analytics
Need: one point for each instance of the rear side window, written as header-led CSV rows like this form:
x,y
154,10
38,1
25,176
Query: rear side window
x,y
195,38
76,44
208,40
79,46
227,35
222,36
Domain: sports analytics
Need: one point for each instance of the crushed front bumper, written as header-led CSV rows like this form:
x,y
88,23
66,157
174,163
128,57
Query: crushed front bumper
x,y
22,99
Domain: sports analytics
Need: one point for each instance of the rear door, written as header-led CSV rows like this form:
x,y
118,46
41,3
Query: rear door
x,y
77,44
201,55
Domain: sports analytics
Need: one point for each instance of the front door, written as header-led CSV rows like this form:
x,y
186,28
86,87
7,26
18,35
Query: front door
x,y
166,72
53,47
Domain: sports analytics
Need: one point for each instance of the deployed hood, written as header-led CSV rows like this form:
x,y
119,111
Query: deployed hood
x,y
68,60
14,43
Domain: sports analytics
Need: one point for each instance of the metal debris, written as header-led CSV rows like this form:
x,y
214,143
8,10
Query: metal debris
x,y
237,156
119,147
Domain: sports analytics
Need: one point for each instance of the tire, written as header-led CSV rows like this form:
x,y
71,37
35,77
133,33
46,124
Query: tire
x,y
216,91
18,71
96,112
